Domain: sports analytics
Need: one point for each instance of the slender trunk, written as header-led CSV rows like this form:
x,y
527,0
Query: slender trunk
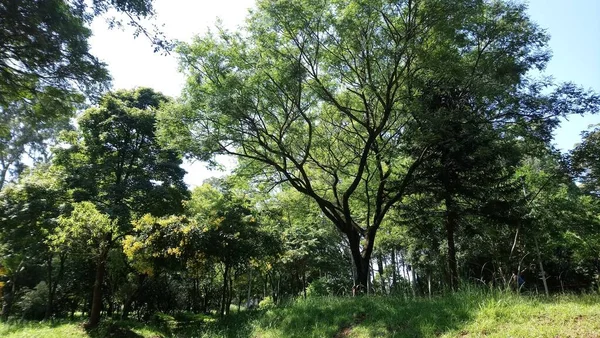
x,y
542,271
7,300
414,281
429,284
50,288
9,297
129,302
278,288
53,284
224,295
229,296
97,294
381,277
451,222
3,173
248,300
304,282
394,276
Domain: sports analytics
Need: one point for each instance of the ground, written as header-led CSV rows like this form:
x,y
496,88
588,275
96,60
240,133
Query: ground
x,y
472,314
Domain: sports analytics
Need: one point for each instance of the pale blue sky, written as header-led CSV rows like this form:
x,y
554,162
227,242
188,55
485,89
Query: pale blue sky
x,y
574,26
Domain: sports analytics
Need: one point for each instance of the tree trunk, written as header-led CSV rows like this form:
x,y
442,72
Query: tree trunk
x,y
450,223
304,282
3,173
229,296
429,284
361,261
7,300
394,276
248,300
97,295
50,288
224,295
542,271
381,277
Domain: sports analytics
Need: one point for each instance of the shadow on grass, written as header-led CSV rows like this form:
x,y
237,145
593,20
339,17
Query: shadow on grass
x,y
231,326
369,317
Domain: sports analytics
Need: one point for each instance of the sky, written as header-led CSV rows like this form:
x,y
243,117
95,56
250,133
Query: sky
x,y
574,27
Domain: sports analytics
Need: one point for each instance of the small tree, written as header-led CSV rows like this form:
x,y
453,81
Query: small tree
x,y
87,231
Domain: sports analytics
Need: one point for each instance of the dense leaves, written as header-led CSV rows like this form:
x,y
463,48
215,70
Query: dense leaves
x,y
383,147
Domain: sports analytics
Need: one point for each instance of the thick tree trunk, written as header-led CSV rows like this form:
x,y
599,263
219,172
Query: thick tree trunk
x,y
97,295
361,261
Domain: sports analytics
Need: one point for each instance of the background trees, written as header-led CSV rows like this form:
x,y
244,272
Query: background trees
x,y
415,127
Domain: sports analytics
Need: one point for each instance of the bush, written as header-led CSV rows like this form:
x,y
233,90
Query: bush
x,y
266,303
318,288
34,301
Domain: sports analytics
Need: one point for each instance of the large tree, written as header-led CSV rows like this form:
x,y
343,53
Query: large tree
x,y
327,96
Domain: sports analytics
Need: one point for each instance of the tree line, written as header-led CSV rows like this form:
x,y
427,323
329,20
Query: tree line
x,y
383,147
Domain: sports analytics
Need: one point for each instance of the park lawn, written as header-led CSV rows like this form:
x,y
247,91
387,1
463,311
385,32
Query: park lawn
x,y
472,314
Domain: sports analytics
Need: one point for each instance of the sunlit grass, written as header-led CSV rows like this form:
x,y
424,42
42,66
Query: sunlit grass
x,y
464,314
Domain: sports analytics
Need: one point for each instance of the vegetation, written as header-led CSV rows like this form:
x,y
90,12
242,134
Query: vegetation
x,y
398,152
463,314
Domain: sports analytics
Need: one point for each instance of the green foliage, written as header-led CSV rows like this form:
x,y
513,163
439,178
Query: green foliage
x,y
266,304
349,101
85,231
115,161
586,162
44,46
33,303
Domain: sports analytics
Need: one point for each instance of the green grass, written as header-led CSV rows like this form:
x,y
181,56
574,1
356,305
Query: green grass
x,y
460,315
466,314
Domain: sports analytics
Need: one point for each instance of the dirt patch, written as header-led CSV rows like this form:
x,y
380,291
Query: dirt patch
x,y
346,331
115,331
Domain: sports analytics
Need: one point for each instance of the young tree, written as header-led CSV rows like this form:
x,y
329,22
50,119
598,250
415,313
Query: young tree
x,y
91,232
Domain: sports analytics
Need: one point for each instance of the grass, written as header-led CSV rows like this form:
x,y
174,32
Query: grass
x,y
466,314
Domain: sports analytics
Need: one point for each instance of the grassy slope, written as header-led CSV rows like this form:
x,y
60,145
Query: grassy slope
x,y
461,315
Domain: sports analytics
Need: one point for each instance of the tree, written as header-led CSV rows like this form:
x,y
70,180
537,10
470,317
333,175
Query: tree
x,y
327,95
586,161
87,231
115,162
44,44
31,128
28,213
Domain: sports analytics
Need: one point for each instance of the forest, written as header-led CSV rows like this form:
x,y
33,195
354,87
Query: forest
x,y
400,149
